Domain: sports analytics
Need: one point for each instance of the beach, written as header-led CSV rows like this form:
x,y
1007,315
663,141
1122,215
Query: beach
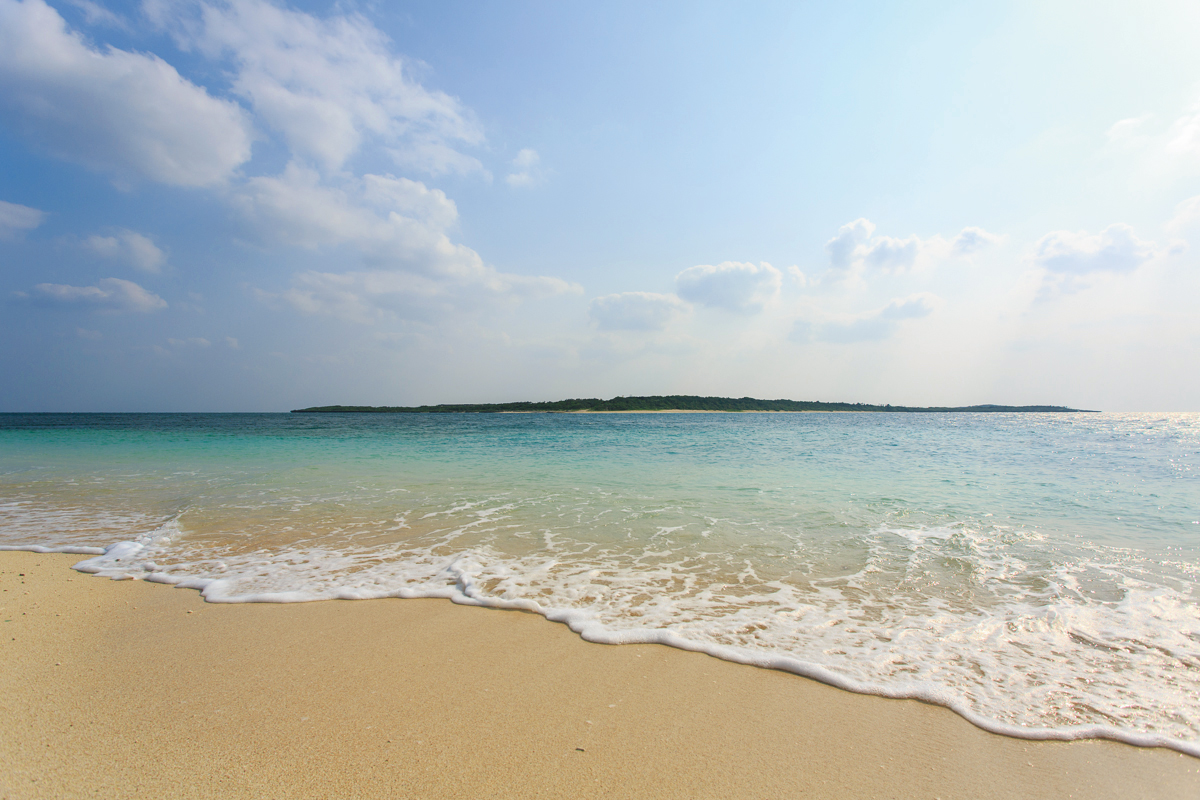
x,y
532,401
124,688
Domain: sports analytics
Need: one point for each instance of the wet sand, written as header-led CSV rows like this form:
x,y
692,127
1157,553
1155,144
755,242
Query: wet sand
x,y
122,689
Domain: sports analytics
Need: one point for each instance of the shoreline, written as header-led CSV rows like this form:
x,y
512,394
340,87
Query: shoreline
x,y
131,687
699,411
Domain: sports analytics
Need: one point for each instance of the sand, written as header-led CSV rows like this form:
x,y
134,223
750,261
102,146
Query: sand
x,y
123,689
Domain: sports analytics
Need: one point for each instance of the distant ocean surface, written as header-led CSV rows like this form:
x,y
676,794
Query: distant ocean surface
x,y
1037,573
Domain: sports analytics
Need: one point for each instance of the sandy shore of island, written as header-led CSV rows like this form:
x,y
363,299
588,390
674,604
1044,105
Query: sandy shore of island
x,y
695,411
716,411
123,689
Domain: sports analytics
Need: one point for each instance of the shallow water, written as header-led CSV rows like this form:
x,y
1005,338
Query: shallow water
x,y
1037,573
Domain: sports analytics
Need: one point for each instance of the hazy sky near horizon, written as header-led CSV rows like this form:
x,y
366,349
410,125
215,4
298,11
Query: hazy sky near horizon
x,y
255,206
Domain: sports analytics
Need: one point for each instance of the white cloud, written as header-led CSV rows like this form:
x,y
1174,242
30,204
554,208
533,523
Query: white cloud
x,y
1187,215
1125,130
128,114
843,247
1183,137
1114,249
96,14
380,213
130,247
16,219
194,341
870,327
411,199
635,311
346,296
1160,152
973,240
374,296
889,253
735,286
856,248
232,343
911,307
84,333
525,165
110,294
528,157
327,86
398,227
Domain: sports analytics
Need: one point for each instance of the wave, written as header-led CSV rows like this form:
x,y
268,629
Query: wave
x,y
1003,668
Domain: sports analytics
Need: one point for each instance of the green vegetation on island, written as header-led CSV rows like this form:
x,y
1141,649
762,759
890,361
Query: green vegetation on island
x,y
663,403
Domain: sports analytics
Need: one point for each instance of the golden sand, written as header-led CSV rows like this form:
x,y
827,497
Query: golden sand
x,y
124,689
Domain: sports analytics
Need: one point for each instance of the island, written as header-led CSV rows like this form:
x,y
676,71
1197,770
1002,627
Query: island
x,y
668,403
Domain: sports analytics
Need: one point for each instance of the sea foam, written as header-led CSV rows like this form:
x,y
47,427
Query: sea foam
x,y
1038,659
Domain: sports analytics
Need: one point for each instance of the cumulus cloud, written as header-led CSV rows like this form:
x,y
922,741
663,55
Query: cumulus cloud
x,y
736,286
1114,249
399,229
16,219
129,247
525,165
411,199
328,86
870,327
193,341
973,240
110,294
843,247
889,253
856,248
296,207
635,311
128,114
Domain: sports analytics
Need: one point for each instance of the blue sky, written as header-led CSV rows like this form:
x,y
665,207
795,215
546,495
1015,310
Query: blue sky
x,y
253,206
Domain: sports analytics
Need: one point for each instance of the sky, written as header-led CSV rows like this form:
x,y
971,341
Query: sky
x,y
253,206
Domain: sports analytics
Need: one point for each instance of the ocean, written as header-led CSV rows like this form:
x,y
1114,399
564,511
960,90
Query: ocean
x,y
1036,573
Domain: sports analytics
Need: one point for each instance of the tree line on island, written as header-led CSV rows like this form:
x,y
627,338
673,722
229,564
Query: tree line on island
x,y
672,402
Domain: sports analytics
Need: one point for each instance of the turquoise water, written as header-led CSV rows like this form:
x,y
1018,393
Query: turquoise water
x,y
1036,573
